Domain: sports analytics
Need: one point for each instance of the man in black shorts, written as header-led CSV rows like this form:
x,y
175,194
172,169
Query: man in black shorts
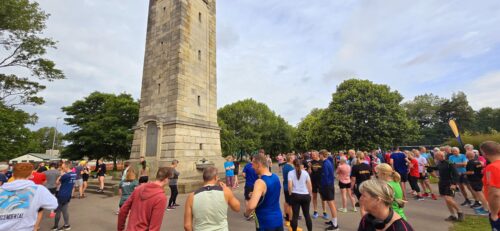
x,y
448,179
360,173
314,168
327,189
474,173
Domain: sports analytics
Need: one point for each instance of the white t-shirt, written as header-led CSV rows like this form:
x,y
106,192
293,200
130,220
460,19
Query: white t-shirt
x,y
422,162
299,186
20,201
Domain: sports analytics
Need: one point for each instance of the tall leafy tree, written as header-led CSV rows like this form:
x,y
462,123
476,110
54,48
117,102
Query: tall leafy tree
x,y
365,115
43,138
22,50
423,109
102,126
305,136
14,136
456,108
248,125
487,120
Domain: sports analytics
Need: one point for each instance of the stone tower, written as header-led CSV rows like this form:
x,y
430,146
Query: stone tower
x,y
178,107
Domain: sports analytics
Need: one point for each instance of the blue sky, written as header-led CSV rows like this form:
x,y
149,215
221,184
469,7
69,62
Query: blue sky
x,y
291,54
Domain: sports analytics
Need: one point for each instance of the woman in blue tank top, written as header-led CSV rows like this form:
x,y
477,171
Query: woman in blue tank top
x,y
265,198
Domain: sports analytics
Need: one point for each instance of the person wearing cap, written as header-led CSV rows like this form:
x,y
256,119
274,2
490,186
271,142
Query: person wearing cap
x,y
21,200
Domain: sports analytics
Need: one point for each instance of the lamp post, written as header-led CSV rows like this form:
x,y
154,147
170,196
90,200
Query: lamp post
x,y
54,139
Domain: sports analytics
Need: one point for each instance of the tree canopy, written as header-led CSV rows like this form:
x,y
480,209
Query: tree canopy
x,y
42,139
14,136
22,50
102,126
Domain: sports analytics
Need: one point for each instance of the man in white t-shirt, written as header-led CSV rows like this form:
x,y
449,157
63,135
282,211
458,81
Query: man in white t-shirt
x,y
21,200
424,177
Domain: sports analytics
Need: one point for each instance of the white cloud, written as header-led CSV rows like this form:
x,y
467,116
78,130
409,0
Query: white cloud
x,y
485,91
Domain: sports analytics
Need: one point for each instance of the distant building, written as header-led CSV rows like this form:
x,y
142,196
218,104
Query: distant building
x,y
34,158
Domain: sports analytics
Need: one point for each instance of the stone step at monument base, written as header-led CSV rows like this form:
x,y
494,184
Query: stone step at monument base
x,y
110,188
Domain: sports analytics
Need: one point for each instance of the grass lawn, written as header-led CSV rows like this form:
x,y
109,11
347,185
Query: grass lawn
x,y
476,223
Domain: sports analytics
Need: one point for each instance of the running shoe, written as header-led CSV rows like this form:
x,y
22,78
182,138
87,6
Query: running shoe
x,y
481,211
476,205
466,203
461,217
342,210
65,227
451,218
419,198
425,195
331,227
354,209
170,208
325,216
55,228
434,197
176,205
315,215
328,223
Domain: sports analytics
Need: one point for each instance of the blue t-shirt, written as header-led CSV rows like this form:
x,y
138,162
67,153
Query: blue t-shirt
x,y
231,171
400,162
250,175
268,210
426,155
67,182
3,178
327,174
458,160
286,169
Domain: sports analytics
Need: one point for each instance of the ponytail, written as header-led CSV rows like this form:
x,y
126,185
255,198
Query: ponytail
x,y
396,177
298,168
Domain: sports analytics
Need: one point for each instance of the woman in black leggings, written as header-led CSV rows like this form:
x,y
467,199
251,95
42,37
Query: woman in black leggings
x,y
300,188
172,203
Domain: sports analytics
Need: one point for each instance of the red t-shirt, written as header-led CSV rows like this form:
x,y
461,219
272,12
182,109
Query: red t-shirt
x,y
491,177
388,157
38,178
414,169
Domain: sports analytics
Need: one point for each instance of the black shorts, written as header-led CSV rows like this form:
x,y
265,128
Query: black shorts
x,y
357,192
445,190
143,179
327,193
404,177
315,187
247,191
53,191
423,176
463,179
287,197
476,185
342,185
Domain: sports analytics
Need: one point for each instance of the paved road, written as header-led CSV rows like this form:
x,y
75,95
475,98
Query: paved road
x,y
96,213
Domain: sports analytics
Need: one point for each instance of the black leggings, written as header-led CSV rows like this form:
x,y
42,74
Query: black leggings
x,y
173,196
298,201
413,183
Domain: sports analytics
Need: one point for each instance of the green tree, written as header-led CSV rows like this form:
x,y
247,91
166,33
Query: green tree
x,y
365,115
248,125
22,50
305,137
42,139
423,109
14,136
487,120
456,108
102,126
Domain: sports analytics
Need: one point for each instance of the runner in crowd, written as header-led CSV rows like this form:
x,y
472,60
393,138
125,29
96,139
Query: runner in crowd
x,y
414,175
3,177
377,198
491,181
42,167
459,161
386,172
344,176
269,162
66,182
314,168
300,188
422,170
250,178
265,197
79,180
127,186
327,188
85,177
374,160
281,161
172,184
474,173
352,158
206,208
23,201
399,162
236,172
146,205
360,173
101,171
287,167
38,177
448,178
229,168
143,171
52,175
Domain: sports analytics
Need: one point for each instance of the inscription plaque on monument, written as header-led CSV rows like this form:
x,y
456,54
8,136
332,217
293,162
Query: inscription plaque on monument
x,y
178,107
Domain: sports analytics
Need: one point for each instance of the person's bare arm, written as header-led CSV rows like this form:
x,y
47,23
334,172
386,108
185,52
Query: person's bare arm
x,y
233,203
188,213
391,161
494,201
290,186
259,190
309,186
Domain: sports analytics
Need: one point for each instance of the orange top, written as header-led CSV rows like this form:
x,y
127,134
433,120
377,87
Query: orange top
x,y
491,177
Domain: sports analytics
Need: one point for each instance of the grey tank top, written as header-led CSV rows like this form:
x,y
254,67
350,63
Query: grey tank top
x,y
210,209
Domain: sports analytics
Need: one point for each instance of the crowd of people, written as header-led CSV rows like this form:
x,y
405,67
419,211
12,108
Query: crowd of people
x,y
374,183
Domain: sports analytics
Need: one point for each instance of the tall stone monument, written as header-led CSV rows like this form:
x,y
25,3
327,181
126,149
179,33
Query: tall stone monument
x,y
178,107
